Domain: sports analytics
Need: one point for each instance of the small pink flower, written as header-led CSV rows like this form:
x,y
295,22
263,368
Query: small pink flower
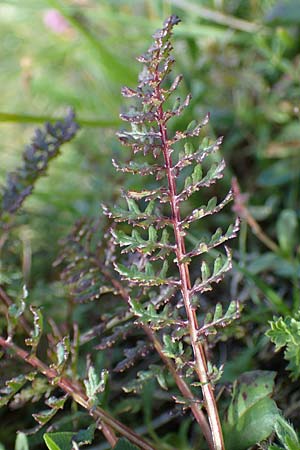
x,y
55,21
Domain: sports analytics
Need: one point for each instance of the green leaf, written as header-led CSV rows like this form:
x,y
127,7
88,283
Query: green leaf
x,y
205,272
59,441
21,442
277,174
212,322
15,310
279,333
55,404
37,331
286,434
286,227
124,444
95,384
148,314
12,387
251,413
188,149
84,437
197,174
218,265
63,349
145,376
284,12
191,126
218,312
233,310
146,278
44,416
286,332
172,349
136,242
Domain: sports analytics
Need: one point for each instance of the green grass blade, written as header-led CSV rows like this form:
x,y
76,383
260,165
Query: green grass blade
x,y
115,69
270,294
29,118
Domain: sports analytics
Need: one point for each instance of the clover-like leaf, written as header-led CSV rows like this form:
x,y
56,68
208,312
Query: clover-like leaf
x,y
251,414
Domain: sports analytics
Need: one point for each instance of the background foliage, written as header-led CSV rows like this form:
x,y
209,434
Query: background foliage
x,y
240,60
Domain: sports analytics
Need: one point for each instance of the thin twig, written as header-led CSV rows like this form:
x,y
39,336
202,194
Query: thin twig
x,y
106,430
73,389
241,209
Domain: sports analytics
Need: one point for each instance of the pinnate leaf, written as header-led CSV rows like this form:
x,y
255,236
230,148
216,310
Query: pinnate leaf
x,y
286,333
286,435
95,384
12,387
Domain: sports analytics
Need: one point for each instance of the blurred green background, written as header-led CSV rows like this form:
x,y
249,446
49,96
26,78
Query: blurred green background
x,y
241,62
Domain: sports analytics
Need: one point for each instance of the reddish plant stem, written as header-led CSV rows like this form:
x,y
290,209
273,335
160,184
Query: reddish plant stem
x,y
181,384
109,434
74,390
199,354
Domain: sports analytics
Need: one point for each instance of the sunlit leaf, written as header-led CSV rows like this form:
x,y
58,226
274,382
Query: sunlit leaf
x,y
251,413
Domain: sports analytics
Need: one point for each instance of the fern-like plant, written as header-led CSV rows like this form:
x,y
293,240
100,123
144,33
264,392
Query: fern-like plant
x,y
152,264
167,275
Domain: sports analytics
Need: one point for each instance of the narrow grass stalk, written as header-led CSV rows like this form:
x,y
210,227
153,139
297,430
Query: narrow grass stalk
x,y
31,118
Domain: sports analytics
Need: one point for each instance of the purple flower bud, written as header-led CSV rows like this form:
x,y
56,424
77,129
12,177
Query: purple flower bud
x,y
55,21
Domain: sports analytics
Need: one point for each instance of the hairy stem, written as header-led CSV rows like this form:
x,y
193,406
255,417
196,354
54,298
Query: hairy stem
x,y
199,354
74,390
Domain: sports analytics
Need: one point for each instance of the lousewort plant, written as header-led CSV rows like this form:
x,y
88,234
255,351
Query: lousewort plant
x,y
152,262
169,298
